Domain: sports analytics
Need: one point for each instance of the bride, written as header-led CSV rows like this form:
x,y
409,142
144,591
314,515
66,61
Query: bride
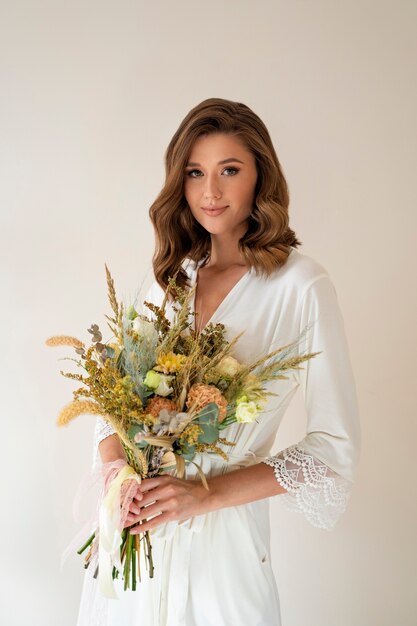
x,y
221,219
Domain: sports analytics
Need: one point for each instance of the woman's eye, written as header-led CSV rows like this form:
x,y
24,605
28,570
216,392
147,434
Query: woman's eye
x,y
230,169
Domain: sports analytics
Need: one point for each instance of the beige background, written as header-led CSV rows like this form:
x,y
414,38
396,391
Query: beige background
x,y
92,92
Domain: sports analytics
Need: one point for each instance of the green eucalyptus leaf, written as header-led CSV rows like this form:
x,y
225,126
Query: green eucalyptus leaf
x,y
110,352
186,451
208,414
210,433
134,430
189,456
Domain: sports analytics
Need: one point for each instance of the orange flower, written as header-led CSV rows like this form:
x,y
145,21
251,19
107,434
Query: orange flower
x,y
157,403
203,394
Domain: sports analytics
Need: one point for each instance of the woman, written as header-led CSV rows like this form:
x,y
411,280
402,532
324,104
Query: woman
x,y
222,221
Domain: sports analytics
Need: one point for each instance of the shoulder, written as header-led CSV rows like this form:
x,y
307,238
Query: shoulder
x,y
299,273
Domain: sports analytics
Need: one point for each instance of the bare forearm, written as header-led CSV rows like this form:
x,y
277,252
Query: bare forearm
x,y
242,486
231,489
111,449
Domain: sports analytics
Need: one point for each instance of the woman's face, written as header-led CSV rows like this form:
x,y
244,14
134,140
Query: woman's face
x,y
227,188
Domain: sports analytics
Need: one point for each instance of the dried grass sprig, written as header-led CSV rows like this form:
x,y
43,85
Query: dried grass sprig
x,y
84,407
78,377
116,325
111,293
161,322
271,371
173,336
224,351
64,340
76,408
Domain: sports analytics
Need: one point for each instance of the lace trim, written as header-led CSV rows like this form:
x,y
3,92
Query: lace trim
x,y
102,430
312,487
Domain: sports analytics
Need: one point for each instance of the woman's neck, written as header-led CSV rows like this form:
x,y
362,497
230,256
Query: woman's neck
x,y
225,252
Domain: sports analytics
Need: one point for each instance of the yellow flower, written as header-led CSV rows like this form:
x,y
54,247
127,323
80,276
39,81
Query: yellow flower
x,y
169,362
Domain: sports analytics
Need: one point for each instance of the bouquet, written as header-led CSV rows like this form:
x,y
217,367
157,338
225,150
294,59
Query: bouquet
x,y
169,393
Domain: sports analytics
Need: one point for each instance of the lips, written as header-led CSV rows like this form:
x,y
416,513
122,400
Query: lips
x,y
213,210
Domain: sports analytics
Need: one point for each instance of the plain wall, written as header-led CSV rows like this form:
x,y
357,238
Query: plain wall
x,y
91,94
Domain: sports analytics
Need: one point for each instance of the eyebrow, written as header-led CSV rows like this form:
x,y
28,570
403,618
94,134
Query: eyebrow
x,y
229,160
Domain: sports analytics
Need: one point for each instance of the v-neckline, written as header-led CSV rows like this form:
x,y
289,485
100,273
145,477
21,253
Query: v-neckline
x,y
225,300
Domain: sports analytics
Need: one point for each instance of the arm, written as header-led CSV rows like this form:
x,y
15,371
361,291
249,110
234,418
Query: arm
x,y
167,498
241,486
111,449
107,446
318,471
237,487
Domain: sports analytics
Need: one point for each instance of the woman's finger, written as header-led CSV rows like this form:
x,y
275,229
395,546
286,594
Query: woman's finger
x,y
150,524
151,483
134,508
152,509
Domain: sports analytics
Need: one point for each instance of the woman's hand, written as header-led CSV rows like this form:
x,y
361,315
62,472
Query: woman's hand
x,y
129,497
166,498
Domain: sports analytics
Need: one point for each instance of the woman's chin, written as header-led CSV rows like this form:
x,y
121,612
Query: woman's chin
x,y
216,230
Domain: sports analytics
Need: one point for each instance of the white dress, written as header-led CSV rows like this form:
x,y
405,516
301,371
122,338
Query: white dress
x,y
215,569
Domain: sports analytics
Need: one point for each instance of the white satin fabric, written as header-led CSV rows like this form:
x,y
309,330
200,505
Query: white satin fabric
x,y
215,569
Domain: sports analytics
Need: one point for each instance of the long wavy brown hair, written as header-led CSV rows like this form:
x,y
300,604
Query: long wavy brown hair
x,y
267,240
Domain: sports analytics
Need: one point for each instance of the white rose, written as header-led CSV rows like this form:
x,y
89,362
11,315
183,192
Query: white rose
x,y
246,412
144,329
163,389
228,366
136,324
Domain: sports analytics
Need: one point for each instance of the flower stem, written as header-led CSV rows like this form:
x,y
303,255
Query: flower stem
x,y
87,543
137,546
149,553
226,422
133,565
129,541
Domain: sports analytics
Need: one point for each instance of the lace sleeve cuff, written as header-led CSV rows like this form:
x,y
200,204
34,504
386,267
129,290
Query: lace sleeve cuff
x,y
312,487
102,430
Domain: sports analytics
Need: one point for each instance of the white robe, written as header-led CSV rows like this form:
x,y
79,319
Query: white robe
x,y
215,569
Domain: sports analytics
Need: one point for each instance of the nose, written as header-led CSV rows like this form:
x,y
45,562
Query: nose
x,y
211,188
